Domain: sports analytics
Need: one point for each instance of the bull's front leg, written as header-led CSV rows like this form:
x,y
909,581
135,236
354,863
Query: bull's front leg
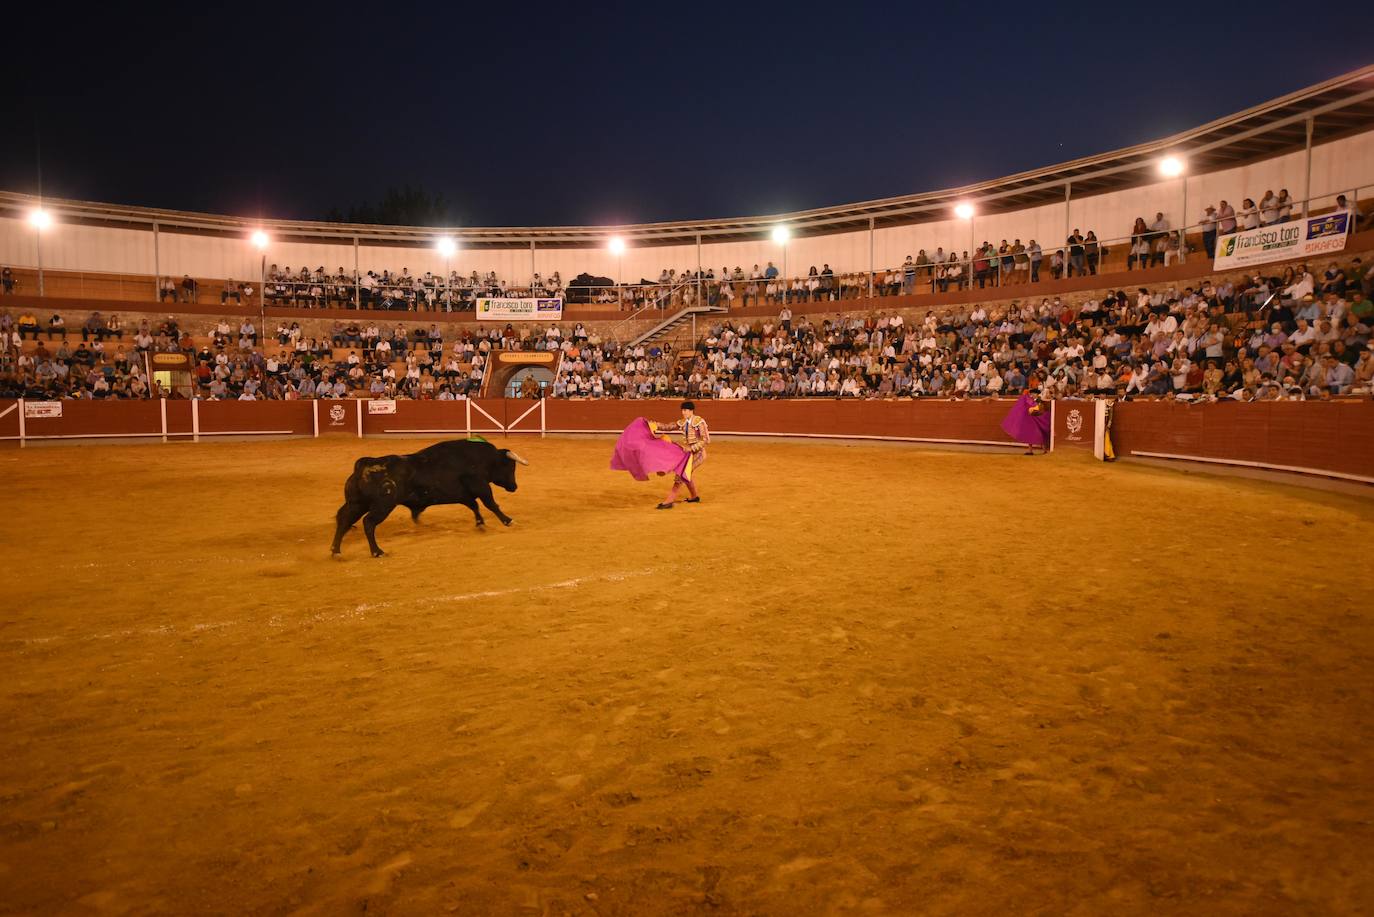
x,y
484,494
347,516
471,503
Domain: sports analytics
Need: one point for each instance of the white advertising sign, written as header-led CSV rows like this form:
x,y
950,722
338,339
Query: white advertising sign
x,y
42,409
519,310
1280,241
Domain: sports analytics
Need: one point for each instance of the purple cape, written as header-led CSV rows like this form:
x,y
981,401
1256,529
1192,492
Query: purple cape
x,y
640,453
1024,427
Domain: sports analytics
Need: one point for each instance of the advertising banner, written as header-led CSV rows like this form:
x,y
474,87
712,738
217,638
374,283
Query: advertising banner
x,y
42,409
1280,241
519,310
379,406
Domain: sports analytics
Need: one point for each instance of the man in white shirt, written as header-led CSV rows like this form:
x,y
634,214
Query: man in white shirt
x,y
1304,335
1269,208
1302,287
1209,231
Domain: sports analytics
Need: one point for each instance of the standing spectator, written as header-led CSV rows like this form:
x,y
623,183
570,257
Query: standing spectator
x,y
188,289
1285,206
1248,214
908,276
1226,223
1209,231
1269,209
7,280
1077,256
1093,251
1036,256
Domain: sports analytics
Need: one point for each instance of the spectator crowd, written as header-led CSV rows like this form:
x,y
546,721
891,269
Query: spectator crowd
x,y
1301,333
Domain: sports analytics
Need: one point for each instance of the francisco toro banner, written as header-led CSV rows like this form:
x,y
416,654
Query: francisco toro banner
x,y
1298,239
520,310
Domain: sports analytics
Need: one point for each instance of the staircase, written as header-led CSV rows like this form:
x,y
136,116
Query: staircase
x,y
659,331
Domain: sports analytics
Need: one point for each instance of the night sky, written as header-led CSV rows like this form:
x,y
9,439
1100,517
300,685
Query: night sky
x,y
610,113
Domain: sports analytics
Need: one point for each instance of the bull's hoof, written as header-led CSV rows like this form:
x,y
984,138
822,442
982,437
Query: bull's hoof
x,y
379,553
507,522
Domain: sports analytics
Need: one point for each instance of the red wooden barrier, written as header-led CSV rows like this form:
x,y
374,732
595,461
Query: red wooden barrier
x,y
1332,438
1324,438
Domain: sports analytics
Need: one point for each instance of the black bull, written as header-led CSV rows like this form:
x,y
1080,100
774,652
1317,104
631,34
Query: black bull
x,y
458,471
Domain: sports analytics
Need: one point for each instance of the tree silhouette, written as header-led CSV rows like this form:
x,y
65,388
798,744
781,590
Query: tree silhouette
x,y
400,207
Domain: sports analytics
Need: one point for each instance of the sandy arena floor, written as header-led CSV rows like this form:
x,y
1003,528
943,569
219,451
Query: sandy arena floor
x,y
862,679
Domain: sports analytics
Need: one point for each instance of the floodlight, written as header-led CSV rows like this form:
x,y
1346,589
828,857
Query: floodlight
x,y
1171,167
447,247
617,245
260,239
964,210
781,234
40,219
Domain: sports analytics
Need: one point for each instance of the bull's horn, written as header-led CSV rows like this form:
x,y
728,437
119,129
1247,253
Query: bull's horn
x,y
516,457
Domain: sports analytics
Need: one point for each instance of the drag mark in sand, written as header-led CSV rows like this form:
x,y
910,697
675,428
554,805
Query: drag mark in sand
x,y
358,612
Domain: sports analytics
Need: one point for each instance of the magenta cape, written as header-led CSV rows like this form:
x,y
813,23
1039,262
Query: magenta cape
x,y
1025,427
640,453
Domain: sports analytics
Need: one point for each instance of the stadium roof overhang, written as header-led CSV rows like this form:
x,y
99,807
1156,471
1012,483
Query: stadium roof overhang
x,y
1336,108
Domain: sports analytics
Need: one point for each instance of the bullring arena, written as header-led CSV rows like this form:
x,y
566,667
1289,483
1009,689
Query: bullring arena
x,y
888,664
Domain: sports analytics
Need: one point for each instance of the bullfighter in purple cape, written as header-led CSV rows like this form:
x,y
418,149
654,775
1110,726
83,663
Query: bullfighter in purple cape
x,y
1028,422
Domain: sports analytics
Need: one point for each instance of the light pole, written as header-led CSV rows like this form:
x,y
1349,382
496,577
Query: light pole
x,y
260,242
1173,167
40,219
964,211
780,235
447,247
617,247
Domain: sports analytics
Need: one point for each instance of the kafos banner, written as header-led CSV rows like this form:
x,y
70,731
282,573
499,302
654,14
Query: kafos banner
x,y
520,310
1297,239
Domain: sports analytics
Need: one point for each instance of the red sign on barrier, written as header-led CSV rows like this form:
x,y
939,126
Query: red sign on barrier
x,y
338,416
